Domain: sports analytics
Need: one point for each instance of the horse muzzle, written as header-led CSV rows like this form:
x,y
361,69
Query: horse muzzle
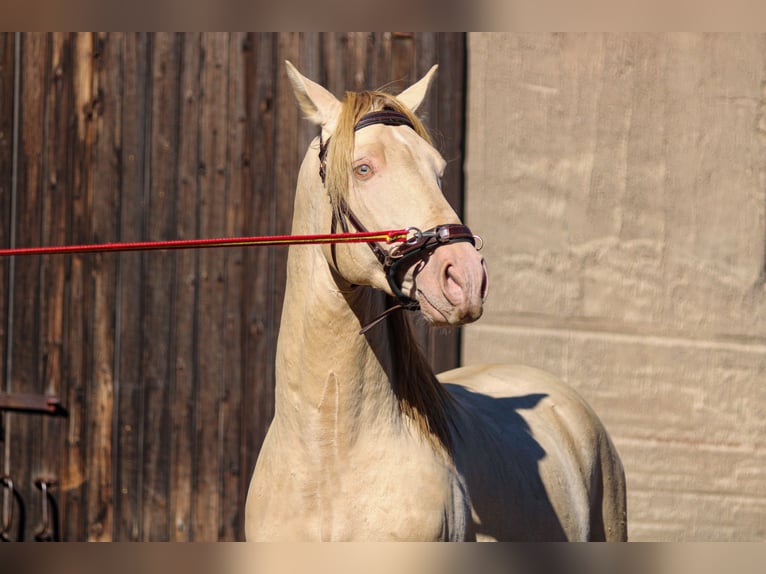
x,y
451,285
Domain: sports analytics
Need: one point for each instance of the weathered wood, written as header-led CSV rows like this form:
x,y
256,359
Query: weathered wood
x,y
158,356
80,343
7,73
183,382
129,403
54,270
232,470
105,119
23,433
211,353
165,360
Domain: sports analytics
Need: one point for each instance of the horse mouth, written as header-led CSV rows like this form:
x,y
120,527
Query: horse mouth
x,y
430,311
444,314
452,285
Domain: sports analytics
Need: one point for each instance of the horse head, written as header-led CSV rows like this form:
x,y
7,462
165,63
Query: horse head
x,y
380,171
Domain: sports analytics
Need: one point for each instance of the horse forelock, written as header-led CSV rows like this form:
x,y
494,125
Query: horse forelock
x,y
341,144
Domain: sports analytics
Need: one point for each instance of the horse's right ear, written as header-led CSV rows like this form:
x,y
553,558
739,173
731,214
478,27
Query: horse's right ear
x,y
413,96
318,105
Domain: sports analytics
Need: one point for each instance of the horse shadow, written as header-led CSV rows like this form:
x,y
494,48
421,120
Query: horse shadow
x,y
504,478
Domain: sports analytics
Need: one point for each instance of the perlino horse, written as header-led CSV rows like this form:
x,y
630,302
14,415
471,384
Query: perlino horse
x,y
366,442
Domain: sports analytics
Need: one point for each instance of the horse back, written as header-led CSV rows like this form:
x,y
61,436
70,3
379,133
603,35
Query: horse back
x,y
537,462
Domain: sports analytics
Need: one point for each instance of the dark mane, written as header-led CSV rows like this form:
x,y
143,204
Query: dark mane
x,y
421,396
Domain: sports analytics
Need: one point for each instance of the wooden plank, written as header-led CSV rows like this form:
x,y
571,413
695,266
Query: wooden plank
x,y
49,452
7,72
22,432
7,84
333,77
80,345
403,66
157,306
210,350
292,137
64,284
185,319
104,200
233,489
135,148
54,269
378,62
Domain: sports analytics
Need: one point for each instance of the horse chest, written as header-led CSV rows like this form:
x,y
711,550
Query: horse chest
x,y
387,490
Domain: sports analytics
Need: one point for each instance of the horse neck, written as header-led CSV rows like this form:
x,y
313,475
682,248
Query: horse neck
x,y
329,374
319,347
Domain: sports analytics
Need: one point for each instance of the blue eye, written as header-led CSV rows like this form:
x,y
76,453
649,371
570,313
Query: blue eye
x,y
363,171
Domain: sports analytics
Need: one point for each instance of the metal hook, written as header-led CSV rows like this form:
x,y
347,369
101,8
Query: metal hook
x,y
7,515
414,235
45,532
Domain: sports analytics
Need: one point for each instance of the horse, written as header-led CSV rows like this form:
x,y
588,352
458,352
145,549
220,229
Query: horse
x,y
366,442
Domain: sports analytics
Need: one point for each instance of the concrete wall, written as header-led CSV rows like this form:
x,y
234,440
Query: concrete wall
x,y
620,186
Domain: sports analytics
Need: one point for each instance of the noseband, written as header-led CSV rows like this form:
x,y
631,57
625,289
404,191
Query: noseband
x,y
419,244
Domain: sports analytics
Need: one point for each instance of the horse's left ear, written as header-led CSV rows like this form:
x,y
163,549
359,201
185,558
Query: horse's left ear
x,y
413,96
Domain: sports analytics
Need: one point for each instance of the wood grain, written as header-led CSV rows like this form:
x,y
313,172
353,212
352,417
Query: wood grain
x,y
165,360
134,173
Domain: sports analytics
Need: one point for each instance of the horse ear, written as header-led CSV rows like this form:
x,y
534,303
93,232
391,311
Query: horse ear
x,y
318,105
413,96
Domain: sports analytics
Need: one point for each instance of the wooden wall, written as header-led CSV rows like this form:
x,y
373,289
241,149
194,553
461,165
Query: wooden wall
x,y
164,360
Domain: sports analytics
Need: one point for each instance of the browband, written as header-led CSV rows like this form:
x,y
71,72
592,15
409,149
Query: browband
x,y
386,117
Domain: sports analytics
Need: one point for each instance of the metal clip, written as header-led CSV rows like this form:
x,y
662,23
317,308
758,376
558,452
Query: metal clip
x,y
46,531
7,515
417,235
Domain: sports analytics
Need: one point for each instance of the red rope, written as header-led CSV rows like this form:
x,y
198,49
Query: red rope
x,y
392,236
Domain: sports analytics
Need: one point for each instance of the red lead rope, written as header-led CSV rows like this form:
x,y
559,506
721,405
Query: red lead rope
x,y
392,236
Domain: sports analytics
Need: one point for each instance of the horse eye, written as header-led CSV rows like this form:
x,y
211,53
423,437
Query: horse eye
x,y
363,171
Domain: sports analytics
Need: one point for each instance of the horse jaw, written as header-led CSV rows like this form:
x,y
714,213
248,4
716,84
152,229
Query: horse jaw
x,y
451,285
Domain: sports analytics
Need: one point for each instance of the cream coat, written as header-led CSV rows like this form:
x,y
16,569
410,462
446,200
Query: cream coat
x,y
526,458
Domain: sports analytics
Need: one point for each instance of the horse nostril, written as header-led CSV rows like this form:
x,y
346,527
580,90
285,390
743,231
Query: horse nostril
x,y
452,286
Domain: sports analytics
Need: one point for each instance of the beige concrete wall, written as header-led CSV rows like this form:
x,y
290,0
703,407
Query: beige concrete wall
x,y
620,186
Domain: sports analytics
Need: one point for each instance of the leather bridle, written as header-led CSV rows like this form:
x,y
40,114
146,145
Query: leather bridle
x,y
419,244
